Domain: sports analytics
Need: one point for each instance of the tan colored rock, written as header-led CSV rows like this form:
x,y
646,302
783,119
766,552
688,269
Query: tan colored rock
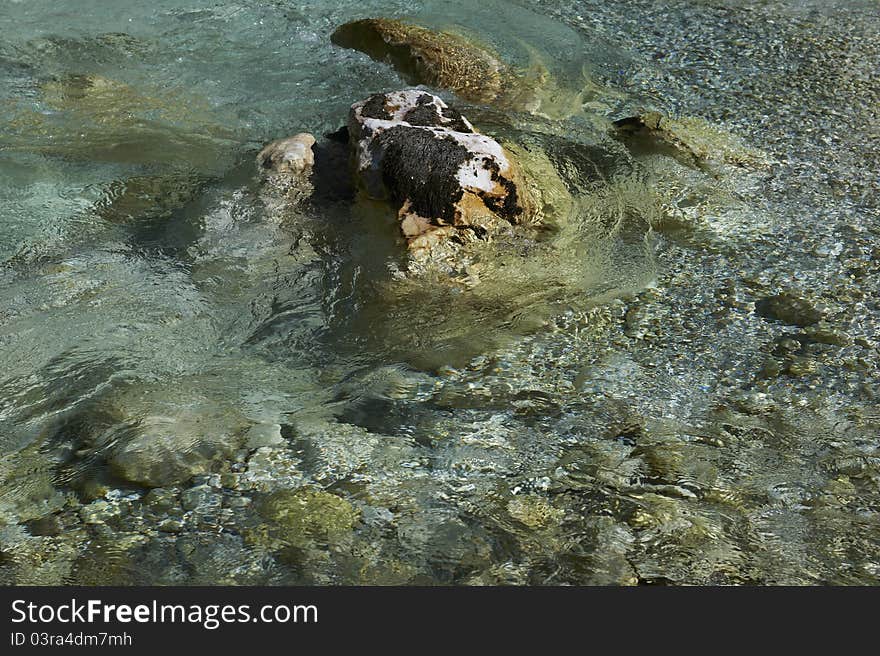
x,y
288,165
292,155
422,56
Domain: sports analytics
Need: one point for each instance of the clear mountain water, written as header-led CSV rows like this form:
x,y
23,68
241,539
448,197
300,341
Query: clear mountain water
x,y
198,386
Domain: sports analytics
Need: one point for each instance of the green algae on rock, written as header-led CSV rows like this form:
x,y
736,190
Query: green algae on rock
x,y
422,56
456,61
308,515
696,141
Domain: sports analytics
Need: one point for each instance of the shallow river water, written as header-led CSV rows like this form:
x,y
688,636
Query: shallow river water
x,y
200,387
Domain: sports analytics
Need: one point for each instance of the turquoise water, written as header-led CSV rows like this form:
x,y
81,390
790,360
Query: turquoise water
x,y
198,387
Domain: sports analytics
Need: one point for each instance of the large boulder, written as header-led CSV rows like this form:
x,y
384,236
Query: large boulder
x,y
460,63
445,179
422,56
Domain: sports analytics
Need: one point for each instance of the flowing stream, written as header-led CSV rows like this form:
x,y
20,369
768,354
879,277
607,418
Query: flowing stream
x,y
200,387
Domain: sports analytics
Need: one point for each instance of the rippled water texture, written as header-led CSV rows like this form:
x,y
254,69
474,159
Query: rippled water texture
x,y
198,386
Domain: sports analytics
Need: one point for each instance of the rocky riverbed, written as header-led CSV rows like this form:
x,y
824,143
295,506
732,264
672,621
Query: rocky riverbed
x,y
204,384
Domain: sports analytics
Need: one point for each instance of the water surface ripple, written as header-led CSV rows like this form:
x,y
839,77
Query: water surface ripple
x,y
199,388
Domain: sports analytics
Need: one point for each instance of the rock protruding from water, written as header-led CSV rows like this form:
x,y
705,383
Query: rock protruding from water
x,y
422,56
446,179
302,168
292,155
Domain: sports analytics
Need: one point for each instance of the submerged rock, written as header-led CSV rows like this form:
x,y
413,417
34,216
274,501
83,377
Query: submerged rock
x,y
534,512
166,450
263,435
443,176
689,139
788,308
59,53
309,514
422,56
166,441
142,198
117,122
172,145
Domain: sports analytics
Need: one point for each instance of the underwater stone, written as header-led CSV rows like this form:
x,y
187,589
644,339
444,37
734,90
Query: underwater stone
x,y
801,366
309,514
691,139
163,450
138,462
97,512
445,178
170,526
450,547
422,56
261,435
197,497
148,197
110,120
534,512
788,308
161,500
825,334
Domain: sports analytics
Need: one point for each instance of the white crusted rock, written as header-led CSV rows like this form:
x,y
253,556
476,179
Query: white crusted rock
x,y
443,177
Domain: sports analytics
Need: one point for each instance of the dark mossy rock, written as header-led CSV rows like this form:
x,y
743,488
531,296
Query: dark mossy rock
x,y
441,175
